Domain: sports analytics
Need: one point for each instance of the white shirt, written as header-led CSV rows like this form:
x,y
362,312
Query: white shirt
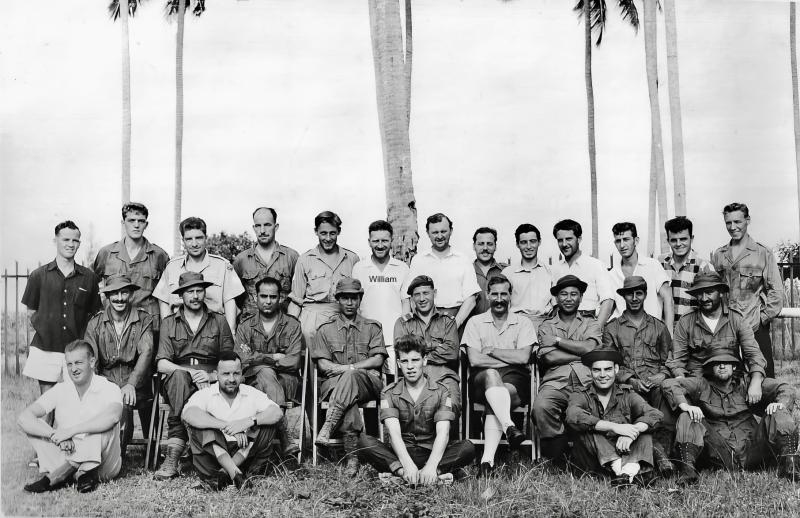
x,y
593,273
71,409
453,277
530,291
655,276
383,300
481,333
247,403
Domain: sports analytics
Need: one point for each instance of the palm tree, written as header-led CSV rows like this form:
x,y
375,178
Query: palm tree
x,y
593,13
795,99
392,63
676,125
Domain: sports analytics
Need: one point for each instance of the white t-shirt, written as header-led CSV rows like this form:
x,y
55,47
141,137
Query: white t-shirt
x,y
383,299
70,409
655,276
247,403
591,271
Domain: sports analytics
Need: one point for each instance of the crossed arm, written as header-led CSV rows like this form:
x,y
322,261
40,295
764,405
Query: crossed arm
x,y
32,423
428,474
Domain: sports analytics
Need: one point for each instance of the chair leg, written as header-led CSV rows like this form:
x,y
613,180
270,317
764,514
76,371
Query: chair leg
x,y
315,424
150,462
302,434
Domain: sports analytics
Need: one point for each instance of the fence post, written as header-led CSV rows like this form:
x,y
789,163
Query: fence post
x,y
5,321
16,315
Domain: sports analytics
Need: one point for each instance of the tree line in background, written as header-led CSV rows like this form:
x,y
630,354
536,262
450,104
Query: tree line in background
x,y
392,49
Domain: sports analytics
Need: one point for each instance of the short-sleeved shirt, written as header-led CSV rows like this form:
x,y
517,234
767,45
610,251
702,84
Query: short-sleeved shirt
x,y
144,271
481,333
315,281
251,268
482,303
440,335
644,349
682,278
62,305
624,406
453,276
417,418
248,403
756,288
572,372
285,337
71,409
214,268
593,273
530,292
123,359
383,300
177,343
655,276
346,341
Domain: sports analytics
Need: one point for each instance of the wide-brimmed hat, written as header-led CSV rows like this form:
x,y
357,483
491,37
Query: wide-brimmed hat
x,y
721,358
632,284
349,285
189,279
599,355
567,281
116,282
708,280
419,280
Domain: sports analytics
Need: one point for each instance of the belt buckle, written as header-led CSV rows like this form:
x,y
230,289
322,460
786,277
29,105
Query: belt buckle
x,y
194,361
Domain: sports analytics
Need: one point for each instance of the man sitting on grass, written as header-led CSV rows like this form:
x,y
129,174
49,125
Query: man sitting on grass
x,y
231,426
84,445
417,412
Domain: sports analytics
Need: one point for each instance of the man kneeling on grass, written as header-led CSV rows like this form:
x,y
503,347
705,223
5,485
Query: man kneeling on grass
x,y
231,426
416,412
85,443
613,423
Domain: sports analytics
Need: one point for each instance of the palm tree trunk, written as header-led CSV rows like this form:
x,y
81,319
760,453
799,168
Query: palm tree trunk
x,y
409,59
795,99
176,248
587,72
676,125
126,103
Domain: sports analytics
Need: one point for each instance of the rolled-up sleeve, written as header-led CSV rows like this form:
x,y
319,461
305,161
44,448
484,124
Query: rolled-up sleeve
x,y
444,411
605,286
299,282
376,343
388,408
320,349
579,416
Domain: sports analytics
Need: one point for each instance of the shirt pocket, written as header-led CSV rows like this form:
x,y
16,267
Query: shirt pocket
x,y
750,278
81,297
318,284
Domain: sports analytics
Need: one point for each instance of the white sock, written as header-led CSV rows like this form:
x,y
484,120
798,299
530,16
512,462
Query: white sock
x,y
631,469
492,433
616,466
500,400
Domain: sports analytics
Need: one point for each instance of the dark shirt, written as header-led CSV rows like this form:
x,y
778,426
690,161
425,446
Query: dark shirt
x,y
417,418
285,337
178,344
123,359
251,268
63,305
624,407
440,335
346,341
482,300
645,349
565,369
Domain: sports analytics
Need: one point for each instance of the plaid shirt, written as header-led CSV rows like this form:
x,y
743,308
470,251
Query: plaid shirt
x,y
683,278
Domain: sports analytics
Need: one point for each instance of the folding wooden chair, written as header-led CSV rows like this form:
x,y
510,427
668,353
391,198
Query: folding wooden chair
x,y
158,416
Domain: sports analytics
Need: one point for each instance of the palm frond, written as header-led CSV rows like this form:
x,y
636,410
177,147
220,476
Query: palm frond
x,y
597,16
629,13
113,8
173,6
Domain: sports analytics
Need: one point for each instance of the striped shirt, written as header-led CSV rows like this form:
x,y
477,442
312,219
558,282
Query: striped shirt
x,y
683,278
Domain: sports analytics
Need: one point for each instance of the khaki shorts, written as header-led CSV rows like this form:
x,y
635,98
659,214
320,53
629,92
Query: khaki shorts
x,y
45,366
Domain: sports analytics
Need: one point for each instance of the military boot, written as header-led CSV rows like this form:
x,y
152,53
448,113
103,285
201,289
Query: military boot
x,y
350,449
789,458
663,464
171,466
687,453
288,446
332,421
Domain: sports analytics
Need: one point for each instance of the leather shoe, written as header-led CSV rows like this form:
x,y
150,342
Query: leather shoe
x,y
87,482
514,436
41,486
239,481
485,470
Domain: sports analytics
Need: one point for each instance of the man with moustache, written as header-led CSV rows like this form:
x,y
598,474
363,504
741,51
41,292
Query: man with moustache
x,y
270,345
530,279
750,271
266,258
499,346
231,426
190,342
223,284
484,242
598,299
122,336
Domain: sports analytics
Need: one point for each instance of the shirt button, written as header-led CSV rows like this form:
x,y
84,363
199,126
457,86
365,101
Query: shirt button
x,y
64,328
65,315
65,303
65,291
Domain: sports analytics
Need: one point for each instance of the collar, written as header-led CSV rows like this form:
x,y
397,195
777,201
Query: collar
x,y
53,265
557,317
434,314
450,253
590,389
428,388
392,261
118,246
511,320
203,265
214,389
749,243
251,252
692,259
257,327
623,318
342,322
520,268
180,314
493,264
133,316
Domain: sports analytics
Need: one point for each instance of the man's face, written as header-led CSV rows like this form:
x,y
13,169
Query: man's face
x,y
423,297
722,371
194,240
484,247
626,243
710,300
135,223
634,300
412,365
193,297
568,243
680,242
603,374
439,234
736,224
528,245
380,242
264,227
499,298
67,242
349,303
229,375
568,300
327,235
268,299
120,300
80,365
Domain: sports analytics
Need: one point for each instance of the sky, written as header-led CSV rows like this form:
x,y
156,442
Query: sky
x,y
280,110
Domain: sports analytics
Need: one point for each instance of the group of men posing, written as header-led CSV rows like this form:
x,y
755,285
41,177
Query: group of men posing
x,y
644,367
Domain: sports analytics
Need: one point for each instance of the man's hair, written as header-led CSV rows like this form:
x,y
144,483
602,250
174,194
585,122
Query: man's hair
x,y
733,207
192,223
624,226
66,224
380,225
484,230
268,280
409,343
331,218
80,344
527,228
568,224
133,206
228,356
679,224
270,210
498,279
437,218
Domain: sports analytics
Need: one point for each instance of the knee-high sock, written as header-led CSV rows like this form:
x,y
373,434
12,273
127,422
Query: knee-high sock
x,y
492,433
500,401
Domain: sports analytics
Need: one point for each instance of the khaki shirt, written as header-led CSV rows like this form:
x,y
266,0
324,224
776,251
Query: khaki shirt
x,y
285,338
756,288
214,268
440,335
417,418
122,359
250,268
346,341
177,343
569,371
624,406
645,349
315,281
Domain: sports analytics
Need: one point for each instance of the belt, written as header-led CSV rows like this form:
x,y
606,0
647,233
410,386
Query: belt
x,y
193,362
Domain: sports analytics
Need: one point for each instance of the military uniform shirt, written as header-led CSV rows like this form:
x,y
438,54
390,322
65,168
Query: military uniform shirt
x,y
344,341
122,359
315,281
417,418
251,268
177,343
645,350
285,338
214,268
624,406
581,328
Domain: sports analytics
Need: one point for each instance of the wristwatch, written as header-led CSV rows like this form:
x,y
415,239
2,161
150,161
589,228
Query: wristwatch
x,y
255,421
558,339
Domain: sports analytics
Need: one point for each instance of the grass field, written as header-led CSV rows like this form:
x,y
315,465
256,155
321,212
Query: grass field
x,y
323,491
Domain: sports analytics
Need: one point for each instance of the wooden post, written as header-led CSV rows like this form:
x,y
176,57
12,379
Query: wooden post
x,y
5,320
16,315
